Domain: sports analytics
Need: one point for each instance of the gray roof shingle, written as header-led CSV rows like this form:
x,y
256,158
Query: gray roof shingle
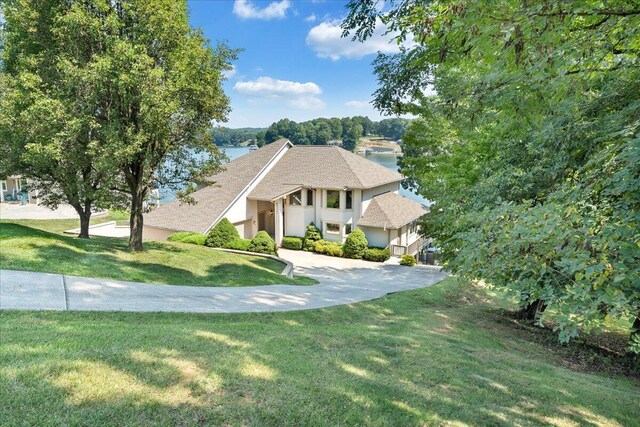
x,y
214,199
391,210
328,167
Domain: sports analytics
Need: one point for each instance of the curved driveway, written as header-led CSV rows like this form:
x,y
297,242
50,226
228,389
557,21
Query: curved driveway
x,y
342,281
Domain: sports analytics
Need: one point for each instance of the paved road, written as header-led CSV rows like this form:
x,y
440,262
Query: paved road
x,y
341,282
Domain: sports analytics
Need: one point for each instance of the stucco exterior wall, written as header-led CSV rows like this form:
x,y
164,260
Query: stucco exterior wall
x,y
377,237
152,233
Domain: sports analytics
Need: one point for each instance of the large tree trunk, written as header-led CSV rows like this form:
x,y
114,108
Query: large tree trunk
x,y
530,311
635,334
85,219
135,222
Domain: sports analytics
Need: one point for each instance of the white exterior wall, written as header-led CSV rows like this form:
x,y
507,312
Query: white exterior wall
x,y
152,233
377,237
243,209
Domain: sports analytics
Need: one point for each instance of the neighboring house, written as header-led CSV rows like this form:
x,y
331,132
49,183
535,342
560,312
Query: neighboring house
x,y
281,188
15,186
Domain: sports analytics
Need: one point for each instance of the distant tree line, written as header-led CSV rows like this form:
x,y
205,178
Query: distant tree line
x,y
320,131
227,136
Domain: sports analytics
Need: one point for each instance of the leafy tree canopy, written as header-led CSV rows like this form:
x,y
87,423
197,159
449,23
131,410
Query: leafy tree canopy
x,y
531,147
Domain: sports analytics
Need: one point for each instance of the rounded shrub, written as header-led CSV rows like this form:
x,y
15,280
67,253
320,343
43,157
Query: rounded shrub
x,y
408,260
263,244
239,244
221,234
377,254
312,235
356,244
188,237
292,242
328,248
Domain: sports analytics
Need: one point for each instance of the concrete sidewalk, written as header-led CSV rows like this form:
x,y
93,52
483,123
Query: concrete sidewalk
x,y
341,282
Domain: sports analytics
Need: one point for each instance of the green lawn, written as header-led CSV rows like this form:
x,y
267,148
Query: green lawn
x,y
41,246
447,354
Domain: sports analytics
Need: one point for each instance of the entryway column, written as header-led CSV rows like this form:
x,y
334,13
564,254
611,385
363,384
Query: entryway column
x,y
279,220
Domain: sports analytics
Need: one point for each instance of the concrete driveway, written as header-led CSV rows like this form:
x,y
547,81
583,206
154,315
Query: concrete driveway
x,y
33,211
342,282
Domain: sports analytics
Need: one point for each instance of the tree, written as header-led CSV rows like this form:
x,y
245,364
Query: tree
x,y
530,148
352,136
48,126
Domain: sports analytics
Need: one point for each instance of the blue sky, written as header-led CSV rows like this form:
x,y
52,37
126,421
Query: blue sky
x,y
294,63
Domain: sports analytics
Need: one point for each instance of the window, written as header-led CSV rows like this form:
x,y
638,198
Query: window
x,y
3,185
309,197
333,228
24,185
295,198
349,198
413,227
333,199
347,229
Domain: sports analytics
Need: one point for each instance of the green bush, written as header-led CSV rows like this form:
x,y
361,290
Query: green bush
x,y
312,235
221,234
328,248
356,244
408,260
263,244
292,242
188,237
377,254
239,244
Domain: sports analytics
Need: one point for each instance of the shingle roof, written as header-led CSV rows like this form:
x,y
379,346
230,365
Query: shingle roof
x,y
321,167
213,200
391,210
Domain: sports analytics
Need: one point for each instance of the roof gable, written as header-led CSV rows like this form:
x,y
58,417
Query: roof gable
x,y
213,200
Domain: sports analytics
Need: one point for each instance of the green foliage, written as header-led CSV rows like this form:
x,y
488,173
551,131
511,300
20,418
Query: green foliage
x,y
408,260
530,148
377,254
292,242
311,236
188,237
225,136
320,131
113,98
223,233
239,244
262,243
328,248
355,245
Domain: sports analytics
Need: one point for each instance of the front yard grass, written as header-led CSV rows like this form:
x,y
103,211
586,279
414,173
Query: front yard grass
x,y
40,246
443,355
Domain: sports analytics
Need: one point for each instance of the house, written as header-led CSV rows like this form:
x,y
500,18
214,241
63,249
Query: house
x,y
14,187
281,188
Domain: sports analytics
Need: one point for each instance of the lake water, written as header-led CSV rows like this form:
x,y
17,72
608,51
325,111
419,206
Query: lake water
x,y
387,161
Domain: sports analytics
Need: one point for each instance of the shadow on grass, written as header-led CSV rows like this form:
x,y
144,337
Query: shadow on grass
x,y
408,359
26,248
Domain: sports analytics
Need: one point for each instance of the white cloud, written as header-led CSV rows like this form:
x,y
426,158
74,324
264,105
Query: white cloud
x,y
275,10
327,41
295,94
311,18
358,104
230,73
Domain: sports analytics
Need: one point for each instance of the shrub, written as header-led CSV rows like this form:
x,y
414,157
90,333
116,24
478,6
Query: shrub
x,y
377,254
263,244
408,260
292,242
356,244
312,235
239,244
221,234
328,248
188,237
